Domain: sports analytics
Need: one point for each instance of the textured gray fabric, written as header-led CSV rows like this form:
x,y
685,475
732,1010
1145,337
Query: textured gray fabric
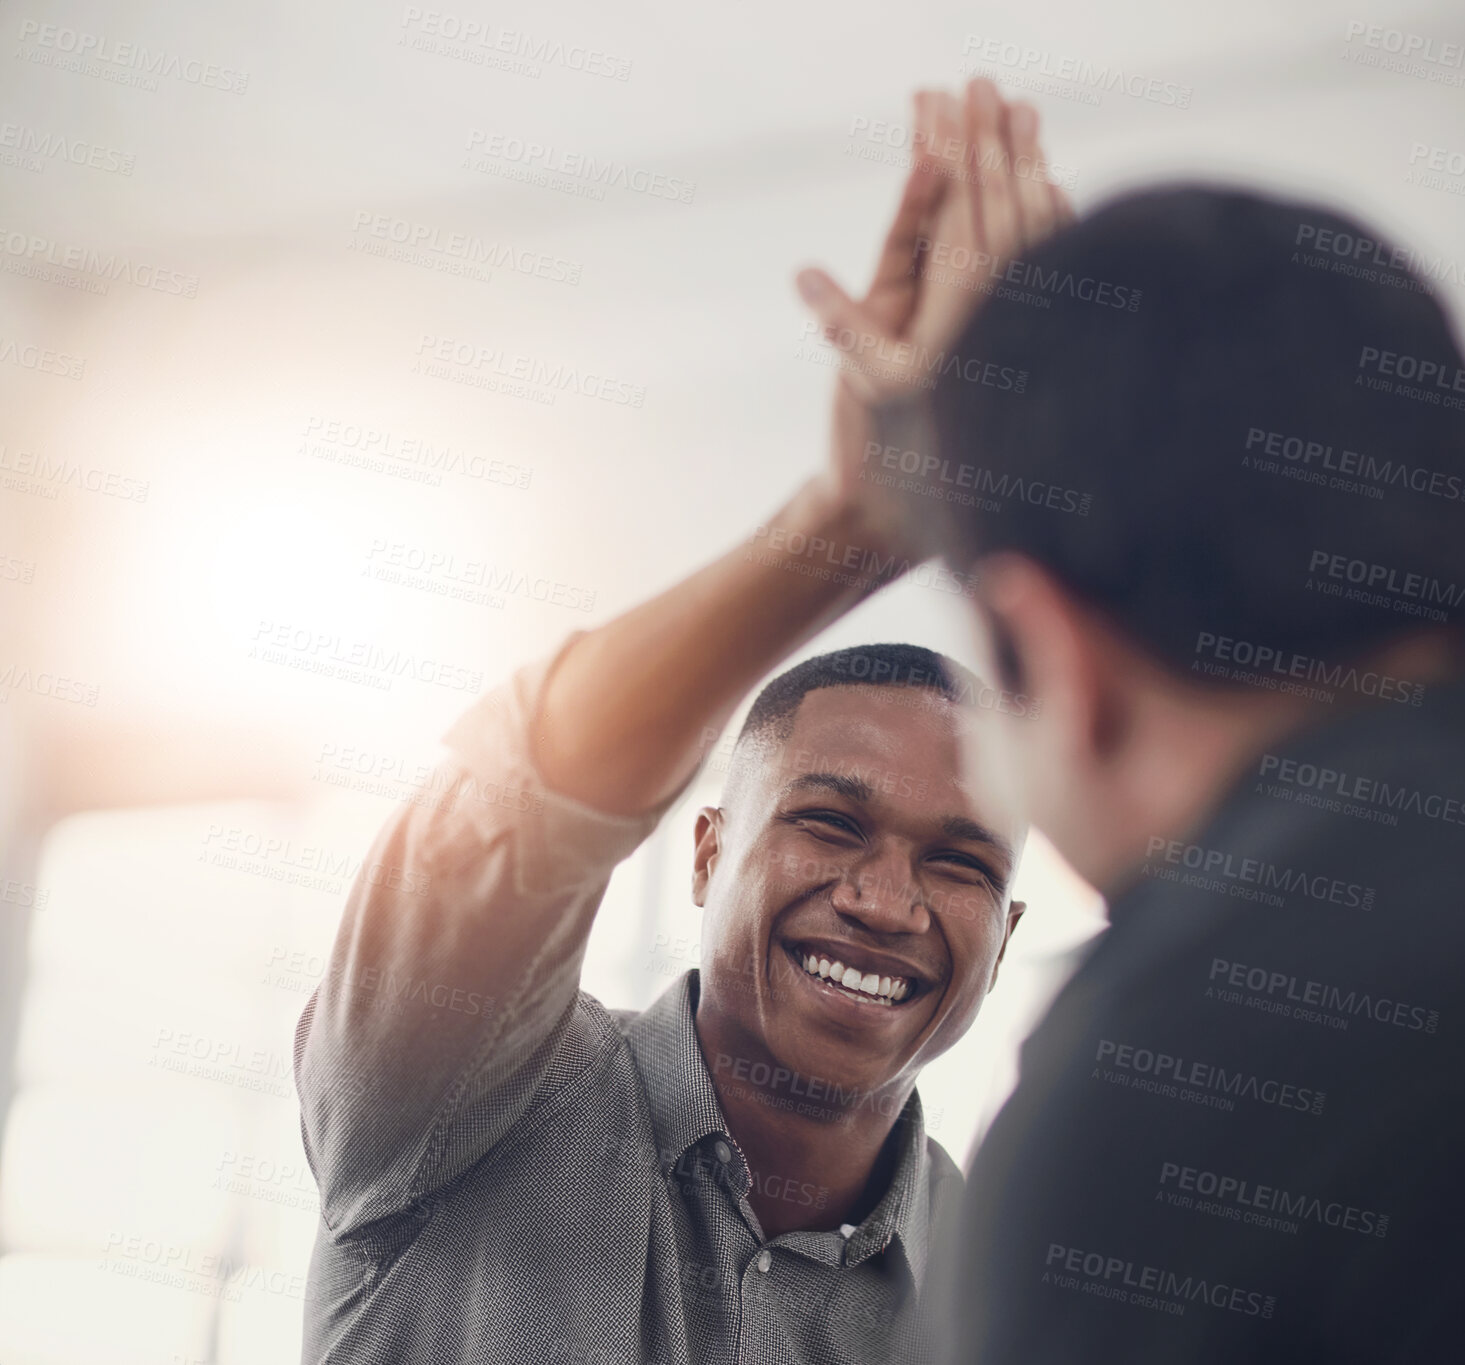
x,y
525,1176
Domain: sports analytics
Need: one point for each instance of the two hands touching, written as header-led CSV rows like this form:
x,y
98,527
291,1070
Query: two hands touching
x,y
978,194
627,710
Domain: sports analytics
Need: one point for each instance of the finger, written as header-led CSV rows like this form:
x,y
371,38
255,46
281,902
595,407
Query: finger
x,y
950,292
948,148
994,199
1035,205
825,299
867,349
925,148
904,242
953,165
952,289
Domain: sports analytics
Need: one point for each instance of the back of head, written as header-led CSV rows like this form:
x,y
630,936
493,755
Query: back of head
x,y
1229,429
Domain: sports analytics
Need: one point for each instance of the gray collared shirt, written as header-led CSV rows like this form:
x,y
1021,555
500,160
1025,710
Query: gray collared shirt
x,y
534,1178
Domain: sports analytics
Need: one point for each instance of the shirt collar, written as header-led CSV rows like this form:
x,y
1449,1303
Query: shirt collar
x,y
902,1217
663,1039
685,1110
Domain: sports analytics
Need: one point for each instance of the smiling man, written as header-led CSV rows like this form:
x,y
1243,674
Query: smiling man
x,y
511,1172
856,912
508,1171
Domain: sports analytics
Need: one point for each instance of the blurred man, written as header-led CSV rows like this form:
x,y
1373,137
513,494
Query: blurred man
x,y
1216,533
510,1172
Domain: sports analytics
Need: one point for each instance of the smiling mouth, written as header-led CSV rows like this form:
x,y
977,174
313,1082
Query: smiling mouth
x,y
853,980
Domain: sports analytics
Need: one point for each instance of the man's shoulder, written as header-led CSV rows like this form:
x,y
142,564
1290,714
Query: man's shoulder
x,y
586,1041
942,1169
616,1028
604,1028
591,1069
619,1020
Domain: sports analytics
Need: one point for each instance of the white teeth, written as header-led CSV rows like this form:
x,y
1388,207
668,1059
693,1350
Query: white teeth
x,y
886,989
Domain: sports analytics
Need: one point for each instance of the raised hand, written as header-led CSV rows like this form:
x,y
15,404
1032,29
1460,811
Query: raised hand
x,y
976,197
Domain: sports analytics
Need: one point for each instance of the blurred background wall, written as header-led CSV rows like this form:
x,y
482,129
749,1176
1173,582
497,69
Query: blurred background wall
x,y
285,480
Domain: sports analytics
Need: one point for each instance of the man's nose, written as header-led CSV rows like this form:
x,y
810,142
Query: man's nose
x,y
880,890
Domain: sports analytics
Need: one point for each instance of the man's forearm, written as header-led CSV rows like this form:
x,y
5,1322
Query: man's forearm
x,y
622,719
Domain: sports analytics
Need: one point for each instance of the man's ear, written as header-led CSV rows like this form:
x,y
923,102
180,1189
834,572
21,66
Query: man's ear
x,y
1014,913
707,835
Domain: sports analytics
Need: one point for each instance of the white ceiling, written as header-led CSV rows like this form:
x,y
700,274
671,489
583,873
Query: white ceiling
x,y
762,106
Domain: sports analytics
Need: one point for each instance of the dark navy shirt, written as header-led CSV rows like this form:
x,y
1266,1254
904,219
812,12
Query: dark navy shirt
x,y
1239,1133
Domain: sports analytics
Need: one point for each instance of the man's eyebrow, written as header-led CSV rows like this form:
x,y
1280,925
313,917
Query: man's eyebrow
x,y
960,827
851,787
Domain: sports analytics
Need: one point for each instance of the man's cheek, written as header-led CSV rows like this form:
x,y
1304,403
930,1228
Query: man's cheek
x,y
958,1012
737,928
792,871
959,905
974,949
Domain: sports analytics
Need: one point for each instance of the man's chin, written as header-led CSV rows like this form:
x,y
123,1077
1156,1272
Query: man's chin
x,y
829,1060
832,1087
825,1080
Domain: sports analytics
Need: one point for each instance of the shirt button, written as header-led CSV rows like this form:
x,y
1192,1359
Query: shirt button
x,y
724,1152
765,1259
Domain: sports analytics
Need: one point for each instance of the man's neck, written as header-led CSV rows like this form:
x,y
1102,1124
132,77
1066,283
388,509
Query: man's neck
x,y
810,1172
1197,744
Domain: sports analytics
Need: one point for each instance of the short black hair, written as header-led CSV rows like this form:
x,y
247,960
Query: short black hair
x,y
1194,399
886,665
